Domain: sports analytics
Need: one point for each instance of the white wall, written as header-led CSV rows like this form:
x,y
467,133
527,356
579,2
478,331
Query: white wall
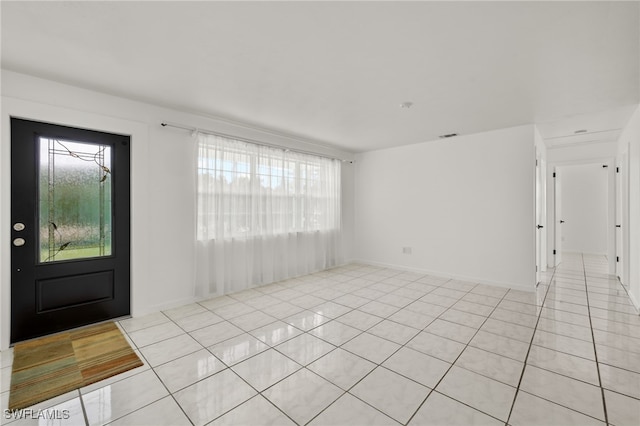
x,y
582,153
630,142
163,182
585,205
348,209
464,205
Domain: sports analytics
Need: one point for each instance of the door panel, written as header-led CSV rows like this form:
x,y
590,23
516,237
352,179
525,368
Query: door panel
x,y
619,251
622,219
539,224
67,292
558,217
541,213
70,228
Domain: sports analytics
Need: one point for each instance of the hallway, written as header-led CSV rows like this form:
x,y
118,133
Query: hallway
x,y
587,318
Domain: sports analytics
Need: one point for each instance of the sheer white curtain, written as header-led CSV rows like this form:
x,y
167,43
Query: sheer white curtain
x,y
263,214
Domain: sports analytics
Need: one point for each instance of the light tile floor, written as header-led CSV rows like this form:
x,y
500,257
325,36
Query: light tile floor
x,y
361,345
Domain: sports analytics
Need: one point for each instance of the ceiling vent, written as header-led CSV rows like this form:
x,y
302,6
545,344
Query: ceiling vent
x,y
449,135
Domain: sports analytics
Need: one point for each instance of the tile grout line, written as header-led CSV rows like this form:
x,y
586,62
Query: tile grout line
x,y
573,409
455,360
84,409
376,364
590,328
302,366
160,380
595,350
260,393
229,367
124,378
80,394
441,285
526,358
305,367
359,356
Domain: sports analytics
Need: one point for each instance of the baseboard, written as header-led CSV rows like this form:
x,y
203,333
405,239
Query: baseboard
x,y
185,301
188,300
446,275
634,302
586,253
165,306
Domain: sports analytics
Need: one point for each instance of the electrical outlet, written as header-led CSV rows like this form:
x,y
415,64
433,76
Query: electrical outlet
x,y
406,250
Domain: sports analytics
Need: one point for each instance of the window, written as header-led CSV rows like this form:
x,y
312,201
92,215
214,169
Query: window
x,y
247,190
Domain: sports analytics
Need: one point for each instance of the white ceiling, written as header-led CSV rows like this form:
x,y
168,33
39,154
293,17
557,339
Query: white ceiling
x,y
336,72
583,129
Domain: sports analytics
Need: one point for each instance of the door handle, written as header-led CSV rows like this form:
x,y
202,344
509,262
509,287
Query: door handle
x,y
618,226
540,226
562,221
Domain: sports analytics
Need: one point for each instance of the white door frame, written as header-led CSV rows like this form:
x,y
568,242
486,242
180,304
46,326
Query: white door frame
x,y
622,217
556,212
540,216
557,205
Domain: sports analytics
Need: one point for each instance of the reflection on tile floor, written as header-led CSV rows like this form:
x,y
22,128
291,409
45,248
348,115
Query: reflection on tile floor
x,y
362,345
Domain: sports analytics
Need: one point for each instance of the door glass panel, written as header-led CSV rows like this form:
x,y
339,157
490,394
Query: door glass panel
x,y
74,200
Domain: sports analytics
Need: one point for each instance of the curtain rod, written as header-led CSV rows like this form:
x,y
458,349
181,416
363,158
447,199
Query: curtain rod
x,y
224,135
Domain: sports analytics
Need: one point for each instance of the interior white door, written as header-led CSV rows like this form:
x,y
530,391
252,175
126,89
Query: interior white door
x,y
542,219
622,218
539,225
558,216
619,209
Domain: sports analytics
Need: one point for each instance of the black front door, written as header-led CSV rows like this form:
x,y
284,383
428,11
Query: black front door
x,y
70,228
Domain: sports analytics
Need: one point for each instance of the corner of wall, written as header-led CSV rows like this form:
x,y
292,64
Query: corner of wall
x,y
539,142
450,203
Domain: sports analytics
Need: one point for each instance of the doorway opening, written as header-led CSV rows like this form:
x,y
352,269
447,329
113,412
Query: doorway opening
x,y
583,215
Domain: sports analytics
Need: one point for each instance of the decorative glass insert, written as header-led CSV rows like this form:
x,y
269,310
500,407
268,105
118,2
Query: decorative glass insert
x,y
75,200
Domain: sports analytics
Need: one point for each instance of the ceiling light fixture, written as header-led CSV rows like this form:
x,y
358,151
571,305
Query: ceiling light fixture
x,y
580,131
406,105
